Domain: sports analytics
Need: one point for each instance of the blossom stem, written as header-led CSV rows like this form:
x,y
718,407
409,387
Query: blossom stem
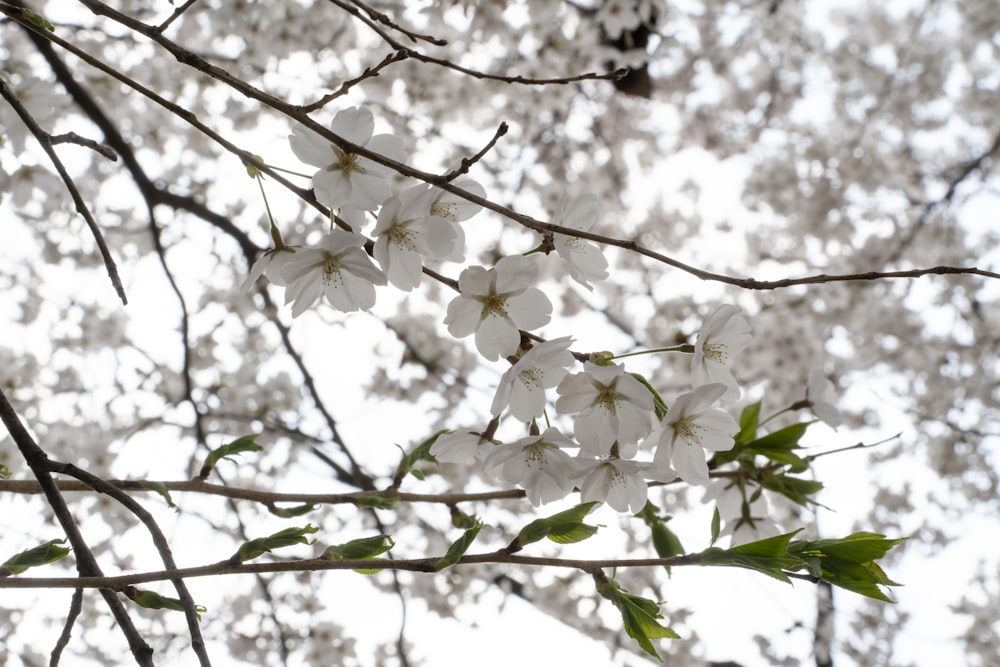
x,y
688,348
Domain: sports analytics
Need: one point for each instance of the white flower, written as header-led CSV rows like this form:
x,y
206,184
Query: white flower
x,y
458,447
523,386
745,521
406,232
453,208
269,264
584,259
617,16
690,427
617,482
338,268
538,464
347,179
723,336
495,304
816,389
611,405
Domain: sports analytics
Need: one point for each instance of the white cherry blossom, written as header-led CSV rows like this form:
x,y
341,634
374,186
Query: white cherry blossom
x,y
745,520
495,304
691,427
459,447
338,267
539,464
723,336
406,232
345,179
269,265
523,385
818,387
611,406
617,482
583,258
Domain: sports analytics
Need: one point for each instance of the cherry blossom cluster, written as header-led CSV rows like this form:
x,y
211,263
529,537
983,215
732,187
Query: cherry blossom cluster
x,y
623,434
615,422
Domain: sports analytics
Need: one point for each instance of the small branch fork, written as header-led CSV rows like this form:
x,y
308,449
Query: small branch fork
x,y
47,141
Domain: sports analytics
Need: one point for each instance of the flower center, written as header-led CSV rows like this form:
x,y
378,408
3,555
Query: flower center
x,y
495,304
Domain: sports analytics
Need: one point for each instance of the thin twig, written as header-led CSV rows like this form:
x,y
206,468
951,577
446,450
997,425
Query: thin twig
x,y
176,15
385,20
443,62
74,138
466,163
45,140
369,73
75,607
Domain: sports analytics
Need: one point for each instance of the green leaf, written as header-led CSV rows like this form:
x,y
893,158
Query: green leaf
x,y
292,512
563,528
458,548
160,488
796,489
4,471
767,556
43,554
716,525
247,443
364,548
421,452
640,616
749,419
659,406
848,562
283,538
37,20
778,446
151,600
665,541
376,502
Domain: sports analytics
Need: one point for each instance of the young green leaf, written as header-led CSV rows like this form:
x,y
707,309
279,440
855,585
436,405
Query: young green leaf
x,y
796,489
458,548
716,525
421,452
640,616
848,562
160,488
151,600
767,556
247,443
749,419
283,538
43,554
292,512
375,502
4,471
563,528
364,548
665,541
37,20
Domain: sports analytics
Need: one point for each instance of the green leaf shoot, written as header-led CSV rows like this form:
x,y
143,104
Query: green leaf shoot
x,y
247,443
640,616
563,527
283,538
292,512
160,488
151,600
43,554
458,548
